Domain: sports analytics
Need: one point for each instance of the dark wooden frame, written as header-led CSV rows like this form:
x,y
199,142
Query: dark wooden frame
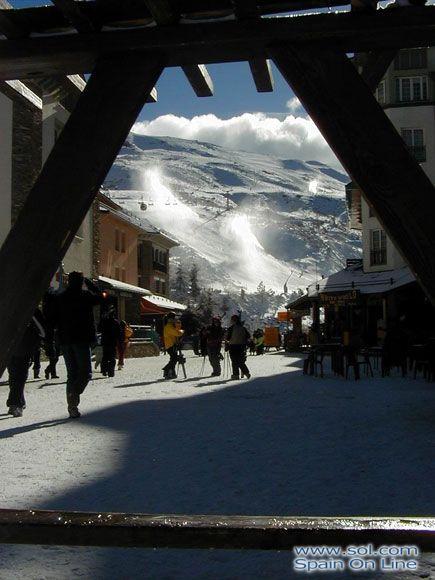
x,y
210,531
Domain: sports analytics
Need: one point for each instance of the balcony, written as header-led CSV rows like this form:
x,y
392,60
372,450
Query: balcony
x,y
160,267
378,257
419,152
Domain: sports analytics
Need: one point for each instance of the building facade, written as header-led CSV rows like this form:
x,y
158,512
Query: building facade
x,y
31,118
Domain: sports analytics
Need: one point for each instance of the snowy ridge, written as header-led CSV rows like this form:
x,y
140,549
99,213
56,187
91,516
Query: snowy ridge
x,y
242,217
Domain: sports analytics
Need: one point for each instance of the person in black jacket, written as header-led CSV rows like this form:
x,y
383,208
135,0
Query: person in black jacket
x,y
76,331
214,335
111,334
237,340
19,364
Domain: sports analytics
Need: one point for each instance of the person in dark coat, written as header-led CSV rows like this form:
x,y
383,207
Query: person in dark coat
x,y
111,334
51,343
214,335
237,339
76,330
19,364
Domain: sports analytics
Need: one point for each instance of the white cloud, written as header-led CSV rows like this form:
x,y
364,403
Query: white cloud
x,y
294,106
288,137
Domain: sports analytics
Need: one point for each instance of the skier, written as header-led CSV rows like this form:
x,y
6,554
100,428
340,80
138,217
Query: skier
x,y
214,335
76,328
19,363
172,332
258,337
111,335
236,342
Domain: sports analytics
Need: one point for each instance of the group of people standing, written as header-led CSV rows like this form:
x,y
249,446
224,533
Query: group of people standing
x,y
235,340
67,325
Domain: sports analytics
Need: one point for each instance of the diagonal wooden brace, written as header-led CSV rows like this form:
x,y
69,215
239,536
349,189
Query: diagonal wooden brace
x,y
343,107
67,185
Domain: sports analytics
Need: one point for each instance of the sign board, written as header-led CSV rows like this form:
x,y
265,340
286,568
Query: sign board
x,y
339,298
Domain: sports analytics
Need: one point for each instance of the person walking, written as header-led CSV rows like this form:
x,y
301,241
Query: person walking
x,y
76,329
51,342
214,336
19,364
124,341
236,340
172,332
111,334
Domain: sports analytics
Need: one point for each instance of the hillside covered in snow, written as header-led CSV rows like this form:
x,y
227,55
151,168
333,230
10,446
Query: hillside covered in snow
x,y
242,218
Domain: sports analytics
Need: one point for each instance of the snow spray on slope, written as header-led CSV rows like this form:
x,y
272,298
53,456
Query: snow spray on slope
x,y
165,210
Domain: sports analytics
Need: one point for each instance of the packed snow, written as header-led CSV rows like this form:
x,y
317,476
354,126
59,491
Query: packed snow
x,y
242,217
278,444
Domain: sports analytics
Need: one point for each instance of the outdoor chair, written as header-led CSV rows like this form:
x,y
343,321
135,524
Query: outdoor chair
x,y
353,360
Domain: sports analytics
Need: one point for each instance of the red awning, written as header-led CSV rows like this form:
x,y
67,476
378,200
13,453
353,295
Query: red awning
x,y
148,308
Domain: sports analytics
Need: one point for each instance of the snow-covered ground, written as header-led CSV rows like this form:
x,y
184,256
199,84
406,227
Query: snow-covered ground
x,y
281,443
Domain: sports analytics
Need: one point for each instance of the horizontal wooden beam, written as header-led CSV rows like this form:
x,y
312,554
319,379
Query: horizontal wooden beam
x,y
262,74
64,190
162,11
210,532
371,150
225,41
114,13
73,12
199,79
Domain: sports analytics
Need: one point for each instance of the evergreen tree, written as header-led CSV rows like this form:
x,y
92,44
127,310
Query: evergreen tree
x,y
195,290
180,285
242,295
205,306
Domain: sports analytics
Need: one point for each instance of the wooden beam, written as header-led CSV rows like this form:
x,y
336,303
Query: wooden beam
x,y
74,14
162,12
260,67
376,65
220,41
61,528
8,27
200,80
67,185
262,74
152,97
370,148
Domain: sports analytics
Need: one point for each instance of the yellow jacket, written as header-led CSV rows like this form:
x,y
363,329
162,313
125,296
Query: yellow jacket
x,y
170,334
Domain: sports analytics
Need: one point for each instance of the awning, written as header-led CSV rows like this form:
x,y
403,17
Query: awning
x,y
122,286
354,278
159,305
302,303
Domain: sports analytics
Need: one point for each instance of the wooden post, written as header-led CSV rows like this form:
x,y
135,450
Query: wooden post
x,y
67,185
370,148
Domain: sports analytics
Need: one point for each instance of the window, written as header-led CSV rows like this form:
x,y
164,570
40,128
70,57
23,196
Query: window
x,y
156,255
371,212
410,89
123,275
378,247
414,140
117,274
120,243
158,286
163,287
380,93
409,59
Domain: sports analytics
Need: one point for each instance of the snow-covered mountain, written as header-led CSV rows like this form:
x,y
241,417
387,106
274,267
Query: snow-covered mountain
x,y
242,217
